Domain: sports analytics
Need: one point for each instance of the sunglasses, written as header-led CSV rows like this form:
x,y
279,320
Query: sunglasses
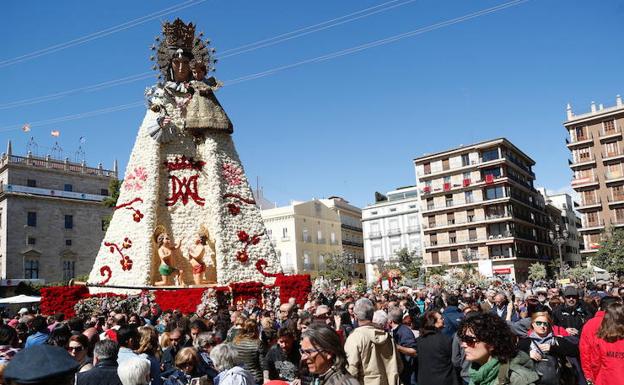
x,y
76,349
469,341
309,352
542,323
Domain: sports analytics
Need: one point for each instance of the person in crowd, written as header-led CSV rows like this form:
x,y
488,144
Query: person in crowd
x,y
352,318
225,359
489,345
41,364
324,356
75,324
186,368
548,351
78,348
380,319
249,348
589,335
104,370
134,371
452,316
41,335
203,343
169,354
196,327
282,359
59,335
572,314
405,344
128,338
608,365
148,349
285,315
371,354
504,309
8,344
434,350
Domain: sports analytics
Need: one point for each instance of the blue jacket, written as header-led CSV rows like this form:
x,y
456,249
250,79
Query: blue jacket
x,y
452,317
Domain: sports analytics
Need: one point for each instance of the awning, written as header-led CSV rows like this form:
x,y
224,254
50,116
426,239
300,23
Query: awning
x,y
19,299
504,270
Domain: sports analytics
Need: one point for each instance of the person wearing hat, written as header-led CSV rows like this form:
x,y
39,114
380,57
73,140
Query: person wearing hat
x,y
41,364
572,314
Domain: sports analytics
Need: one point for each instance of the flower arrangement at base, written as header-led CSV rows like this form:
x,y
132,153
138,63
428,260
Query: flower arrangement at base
x,y
61,299
184,300
105,302
242,291
296,286
271,298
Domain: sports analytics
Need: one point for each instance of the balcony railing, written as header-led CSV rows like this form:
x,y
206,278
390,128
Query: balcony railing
x,y
394,231
580,160
598,223
616,130
413,229
374,234
590,202
321,241
581,180
467,221
454,242
612,154
579,139
351,243
612,175
306,238
616,198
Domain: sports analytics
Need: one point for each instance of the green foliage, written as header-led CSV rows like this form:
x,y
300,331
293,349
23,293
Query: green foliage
x,y
337,267
537,271
409,263
610,255
578,274
113,189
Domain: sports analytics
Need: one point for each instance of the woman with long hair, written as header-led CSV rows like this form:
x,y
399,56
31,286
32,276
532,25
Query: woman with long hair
x,y
249,348
324,356
548,350
149,348
610,347
434,351
78,348
490,347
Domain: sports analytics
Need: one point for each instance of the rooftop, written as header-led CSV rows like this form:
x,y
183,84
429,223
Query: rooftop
x,y
474,146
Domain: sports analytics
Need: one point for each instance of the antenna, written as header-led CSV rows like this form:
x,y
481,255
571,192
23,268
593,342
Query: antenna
x,y
80,154
57,151
32,147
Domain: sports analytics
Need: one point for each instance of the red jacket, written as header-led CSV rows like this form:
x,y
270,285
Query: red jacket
x,y
588,346
610,362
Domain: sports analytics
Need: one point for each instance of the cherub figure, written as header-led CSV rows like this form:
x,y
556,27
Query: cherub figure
x,y
167,252
196,255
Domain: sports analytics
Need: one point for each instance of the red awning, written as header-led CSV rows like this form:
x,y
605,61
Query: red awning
x,y
506,270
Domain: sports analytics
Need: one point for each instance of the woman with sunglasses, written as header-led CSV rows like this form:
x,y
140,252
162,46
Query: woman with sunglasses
x,y
548,350
326,360
490,347
77,348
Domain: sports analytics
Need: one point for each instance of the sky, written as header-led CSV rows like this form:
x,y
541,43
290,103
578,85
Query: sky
x,y
349,125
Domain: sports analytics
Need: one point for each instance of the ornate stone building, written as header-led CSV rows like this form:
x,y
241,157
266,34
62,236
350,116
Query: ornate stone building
x,y
51,217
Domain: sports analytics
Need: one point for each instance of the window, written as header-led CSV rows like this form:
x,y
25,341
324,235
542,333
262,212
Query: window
x,y
447,179
580,133
584,154
306,259
373,212
452,237
332,237
445,164
450,219
494,193
31,183
69,221
465,160
430,205
432,221
472,234
435,258
489,155
468,197
284,232
433,240
31,219
449,200
392,210
68,242
69,187
466,175
609,126
470,214
69,270
495,172
454,256
319,235
32,241
104,192
617,192
427,168
31,269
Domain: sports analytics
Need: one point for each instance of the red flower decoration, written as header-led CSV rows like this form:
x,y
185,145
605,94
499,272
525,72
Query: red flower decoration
x,y
126,263
234,210
255,240
261,265
242,256
106,271
243,236
137,216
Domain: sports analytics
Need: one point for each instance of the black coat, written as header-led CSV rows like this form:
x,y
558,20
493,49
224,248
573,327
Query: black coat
x,y
104,373
572,317
434,352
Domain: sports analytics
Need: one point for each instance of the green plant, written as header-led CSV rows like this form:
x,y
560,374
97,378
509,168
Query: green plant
x,y
610,255
537,271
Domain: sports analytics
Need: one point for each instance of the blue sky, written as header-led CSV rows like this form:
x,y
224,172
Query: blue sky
x,y
348,126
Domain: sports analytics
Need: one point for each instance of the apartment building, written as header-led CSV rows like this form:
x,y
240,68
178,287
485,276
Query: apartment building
x,y
389,225
478,203
570,221
51,217
595,141
303,235
351,231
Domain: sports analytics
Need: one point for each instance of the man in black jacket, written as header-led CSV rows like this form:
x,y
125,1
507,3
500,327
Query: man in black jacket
x,y
573,314
405,344
104,370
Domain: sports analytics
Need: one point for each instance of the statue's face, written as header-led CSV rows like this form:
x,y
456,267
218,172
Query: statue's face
x,y
166,241
199,71
181,69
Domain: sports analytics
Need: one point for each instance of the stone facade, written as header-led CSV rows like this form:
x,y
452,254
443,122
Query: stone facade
x,y
51,217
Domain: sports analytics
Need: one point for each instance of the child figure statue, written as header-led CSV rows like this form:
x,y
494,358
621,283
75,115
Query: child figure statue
x,y
167,252
196,255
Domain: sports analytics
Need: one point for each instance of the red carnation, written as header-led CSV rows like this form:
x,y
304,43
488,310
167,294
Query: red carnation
x,y
126,263
137,216
255,240
242,256
243,236
234,210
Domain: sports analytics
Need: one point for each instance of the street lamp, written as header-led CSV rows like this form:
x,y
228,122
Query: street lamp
x,y
559,238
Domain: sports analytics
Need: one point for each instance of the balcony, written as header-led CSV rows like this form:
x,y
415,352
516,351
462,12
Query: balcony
x,y
614,176
588,204
593,225
351,243
469,221
352,228
616,200
413,229
454,242
321,241
584,181
584,161
394,232
579,141
613,155
609,134
374,234
618,222
306,238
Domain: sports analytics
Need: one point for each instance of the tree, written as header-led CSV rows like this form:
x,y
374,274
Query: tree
x,y
537,271
610,255
337,267
579,273
111,201
408,262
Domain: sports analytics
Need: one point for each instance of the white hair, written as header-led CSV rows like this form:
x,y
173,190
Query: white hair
x,y
380,318
364,309
134,371
224,357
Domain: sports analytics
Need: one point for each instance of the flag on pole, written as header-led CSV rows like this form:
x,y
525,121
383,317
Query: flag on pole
x,y
26,127
55,133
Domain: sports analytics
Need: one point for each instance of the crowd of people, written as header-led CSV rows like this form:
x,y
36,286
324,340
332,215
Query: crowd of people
x,y
518,334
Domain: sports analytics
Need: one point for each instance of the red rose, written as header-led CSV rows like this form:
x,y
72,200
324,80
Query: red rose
x,y
255,240
137,216
126,263
234,210
242,256
243,236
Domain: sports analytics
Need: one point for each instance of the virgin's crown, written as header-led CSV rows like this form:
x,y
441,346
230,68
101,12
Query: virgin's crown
x,y
179,35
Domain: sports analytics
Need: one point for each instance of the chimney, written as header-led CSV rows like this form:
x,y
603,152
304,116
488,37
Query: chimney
x,y
600,107
618,100
115,167
9,149
569,112
593,106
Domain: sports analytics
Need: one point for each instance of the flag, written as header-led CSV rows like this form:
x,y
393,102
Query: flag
x,y
55,133
26,127
83,140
